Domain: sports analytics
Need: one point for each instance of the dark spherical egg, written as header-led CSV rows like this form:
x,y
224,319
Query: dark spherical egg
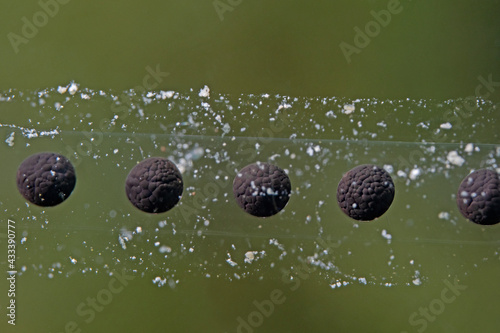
x,y
365,192
261,189
478,197
46,179
154,185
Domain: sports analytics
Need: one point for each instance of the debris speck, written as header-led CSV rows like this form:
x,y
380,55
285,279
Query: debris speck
x,y
204,92
455,159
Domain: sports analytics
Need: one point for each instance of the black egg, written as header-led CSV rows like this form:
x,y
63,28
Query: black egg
x,y
46,179
365,192
154,185
261,189
478,197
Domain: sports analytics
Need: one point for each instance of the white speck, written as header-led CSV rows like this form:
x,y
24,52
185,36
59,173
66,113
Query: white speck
x,y
10,139
417,280
250,256
362,280
165,249
382,124
388,168
230,261
73,260
455,159
73,88
115,151
205,92
310,151
122,242
414,173
62,90
159,281
330,114
349,108
401,174
444,215
23,240
167,94
138,230
445,126
386,235
469,148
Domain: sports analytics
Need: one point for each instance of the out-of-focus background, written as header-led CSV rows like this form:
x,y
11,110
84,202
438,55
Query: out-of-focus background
x,y
314,87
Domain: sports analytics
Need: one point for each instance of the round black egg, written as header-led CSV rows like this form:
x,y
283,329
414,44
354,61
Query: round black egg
x,y
365,192
262,189
154,185
478,197
46,179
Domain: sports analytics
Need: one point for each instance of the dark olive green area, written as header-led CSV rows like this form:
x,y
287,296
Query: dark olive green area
x,y
427,50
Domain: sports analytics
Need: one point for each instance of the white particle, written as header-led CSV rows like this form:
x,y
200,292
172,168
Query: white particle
x,y
445,126
204,92
73,88
348,108
62,90
330,114
386,235
444,215
165,249
414,173
454,158
469,148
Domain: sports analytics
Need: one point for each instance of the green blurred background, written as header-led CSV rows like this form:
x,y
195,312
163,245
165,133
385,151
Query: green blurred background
x,y
433,53
429,49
